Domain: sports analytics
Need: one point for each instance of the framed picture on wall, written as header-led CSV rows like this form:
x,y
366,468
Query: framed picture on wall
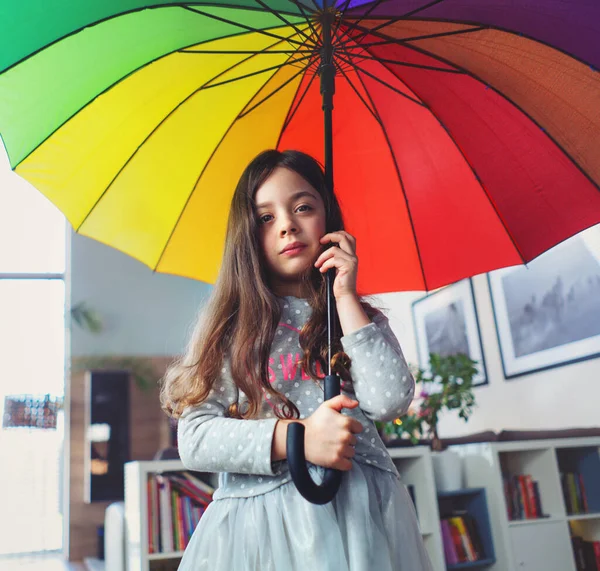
x,y
548,313
446,323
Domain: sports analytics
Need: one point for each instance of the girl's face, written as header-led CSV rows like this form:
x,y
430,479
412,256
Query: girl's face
x,y
291,220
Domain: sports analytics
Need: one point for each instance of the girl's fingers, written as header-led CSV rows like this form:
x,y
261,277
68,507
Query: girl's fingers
x,y
349,452
333,263
325,256
346,241
345,465
331,256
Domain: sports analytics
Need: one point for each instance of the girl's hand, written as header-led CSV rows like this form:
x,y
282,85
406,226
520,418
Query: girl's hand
x,y
343,259
329,437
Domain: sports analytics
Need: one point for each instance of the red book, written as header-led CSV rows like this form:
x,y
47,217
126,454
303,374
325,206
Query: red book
x,y
596,545
523,492
531,496
181,519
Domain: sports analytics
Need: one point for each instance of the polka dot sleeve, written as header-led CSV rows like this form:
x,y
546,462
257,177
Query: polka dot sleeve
x,y
211,442
382,381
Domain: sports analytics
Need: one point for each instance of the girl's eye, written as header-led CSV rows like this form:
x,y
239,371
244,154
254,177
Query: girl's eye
x,y
265,218
306,207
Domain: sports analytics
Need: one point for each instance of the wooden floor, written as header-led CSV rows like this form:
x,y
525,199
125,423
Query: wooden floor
x,y
39,563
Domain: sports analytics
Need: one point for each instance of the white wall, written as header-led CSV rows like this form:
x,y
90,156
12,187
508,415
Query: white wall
x,y
144,313
562,397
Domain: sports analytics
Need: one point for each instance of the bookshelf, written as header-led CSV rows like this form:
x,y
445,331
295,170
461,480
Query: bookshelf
x,y
139,557
530,541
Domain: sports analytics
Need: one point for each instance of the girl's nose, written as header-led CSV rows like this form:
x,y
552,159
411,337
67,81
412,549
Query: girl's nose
x,y
288,226
290,229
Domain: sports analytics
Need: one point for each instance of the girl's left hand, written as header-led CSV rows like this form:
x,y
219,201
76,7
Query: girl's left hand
x,y
344,259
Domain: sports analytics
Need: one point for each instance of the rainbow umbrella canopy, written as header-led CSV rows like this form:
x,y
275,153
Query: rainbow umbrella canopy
x,y
466,132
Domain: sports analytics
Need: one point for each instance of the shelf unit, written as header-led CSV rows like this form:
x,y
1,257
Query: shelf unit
x,y
136,513
543,543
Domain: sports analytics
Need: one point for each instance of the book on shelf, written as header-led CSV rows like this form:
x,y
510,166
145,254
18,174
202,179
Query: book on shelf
x,y
176,502
522,497
460,538
587,554
574,494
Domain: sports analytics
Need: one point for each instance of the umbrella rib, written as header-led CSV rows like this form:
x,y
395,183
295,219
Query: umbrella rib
x,y
266,98
477,78
402,41
161,122
253,73
286,22
399,175
178,50
375,115
226,5
306,17
242,52
262,31
385,83
403,63
217,146
292,111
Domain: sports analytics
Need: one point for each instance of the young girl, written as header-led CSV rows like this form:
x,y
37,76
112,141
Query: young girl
x,y
255,363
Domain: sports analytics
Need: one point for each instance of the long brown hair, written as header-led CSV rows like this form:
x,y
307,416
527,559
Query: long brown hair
x,y
241,316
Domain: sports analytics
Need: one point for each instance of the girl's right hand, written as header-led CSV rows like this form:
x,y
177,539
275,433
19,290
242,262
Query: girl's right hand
x,y
329,437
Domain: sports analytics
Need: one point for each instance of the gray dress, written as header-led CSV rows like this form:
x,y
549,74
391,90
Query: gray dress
x,y
257,520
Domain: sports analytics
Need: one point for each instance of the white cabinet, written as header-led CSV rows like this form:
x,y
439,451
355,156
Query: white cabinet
x,y
543,543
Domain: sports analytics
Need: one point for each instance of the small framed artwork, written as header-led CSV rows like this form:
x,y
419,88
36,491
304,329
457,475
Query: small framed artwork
x,y
548,313
446,323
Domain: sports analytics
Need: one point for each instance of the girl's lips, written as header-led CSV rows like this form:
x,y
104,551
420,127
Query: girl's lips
x,y
293,251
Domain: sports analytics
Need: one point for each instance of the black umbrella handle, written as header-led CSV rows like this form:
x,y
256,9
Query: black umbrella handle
x,y
315,493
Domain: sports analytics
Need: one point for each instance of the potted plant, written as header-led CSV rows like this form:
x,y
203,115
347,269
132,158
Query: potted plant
x,y
446,385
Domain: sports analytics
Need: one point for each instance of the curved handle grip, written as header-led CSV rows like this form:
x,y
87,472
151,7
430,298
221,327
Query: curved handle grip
x,y
315,493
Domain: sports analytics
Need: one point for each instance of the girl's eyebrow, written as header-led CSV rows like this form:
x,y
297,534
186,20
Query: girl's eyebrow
x,y
293,197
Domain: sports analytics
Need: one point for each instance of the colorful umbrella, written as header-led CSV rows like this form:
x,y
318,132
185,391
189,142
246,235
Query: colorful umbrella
x,y
467,133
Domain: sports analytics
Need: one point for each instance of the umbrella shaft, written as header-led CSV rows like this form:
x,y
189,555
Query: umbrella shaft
x,y
327,76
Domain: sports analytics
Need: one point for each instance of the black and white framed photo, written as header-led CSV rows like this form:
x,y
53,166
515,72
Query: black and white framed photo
x,y
548,313
446,323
